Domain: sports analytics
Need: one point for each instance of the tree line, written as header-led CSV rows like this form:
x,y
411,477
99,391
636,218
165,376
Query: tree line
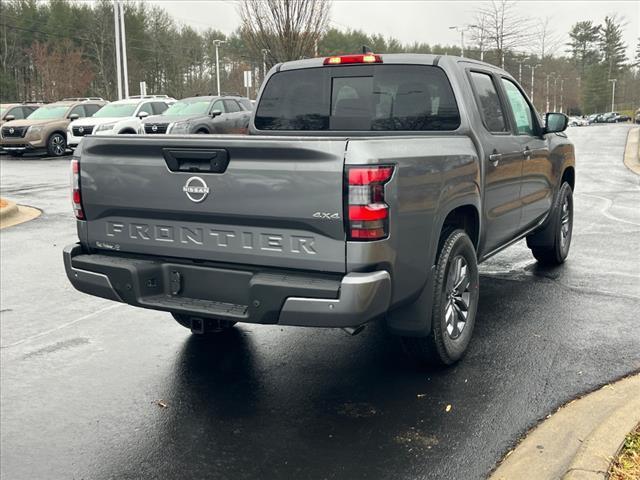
x,y
50,50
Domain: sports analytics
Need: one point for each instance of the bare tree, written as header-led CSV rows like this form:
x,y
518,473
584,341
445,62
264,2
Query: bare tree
x,y
287,29
479,33
505,29
546,41
61,68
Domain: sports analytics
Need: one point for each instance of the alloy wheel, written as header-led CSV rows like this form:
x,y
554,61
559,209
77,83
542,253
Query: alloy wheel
x,y
458,296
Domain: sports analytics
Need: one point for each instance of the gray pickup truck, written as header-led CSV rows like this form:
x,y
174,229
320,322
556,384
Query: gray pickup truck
x,y
369,187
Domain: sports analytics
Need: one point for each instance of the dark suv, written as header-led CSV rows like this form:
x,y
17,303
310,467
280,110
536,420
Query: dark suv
x,y
206,114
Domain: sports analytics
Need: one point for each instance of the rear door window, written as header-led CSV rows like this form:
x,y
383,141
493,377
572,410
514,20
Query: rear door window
x,y
158,107
231,106
489,102
359,98
91,108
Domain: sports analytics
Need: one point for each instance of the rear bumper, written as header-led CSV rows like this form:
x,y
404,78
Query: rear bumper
x,y
284,298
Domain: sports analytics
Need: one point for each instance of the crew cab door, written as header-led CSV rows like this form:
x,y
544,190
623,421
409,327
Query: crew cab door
x,y
502,207
537,175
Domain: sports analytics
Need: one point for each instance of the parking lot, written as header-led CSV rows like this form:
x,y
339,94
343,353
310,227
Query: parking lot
x,y
95,389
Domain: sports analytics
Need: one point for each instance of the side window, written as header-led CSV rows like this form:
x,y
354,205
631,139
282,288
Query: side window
x,y
78,110
146,107
246,104
218,105
520,108
17,112
158,107
231,106
489,102
91,108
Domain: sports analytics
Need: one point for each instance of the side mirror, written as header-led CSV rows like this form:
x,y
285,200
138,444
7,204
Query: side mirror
x,y
142,115
215,113
74,116
8,118
556,123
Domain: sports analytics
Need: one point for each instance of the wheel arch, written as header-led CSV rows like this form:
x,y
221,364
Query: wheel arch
x,y
569,176
465,217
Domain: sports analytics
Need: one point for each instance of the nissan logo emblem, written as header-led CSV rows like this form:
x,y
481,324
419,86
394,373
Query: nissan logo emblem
x,y
11,130
196,189
154,128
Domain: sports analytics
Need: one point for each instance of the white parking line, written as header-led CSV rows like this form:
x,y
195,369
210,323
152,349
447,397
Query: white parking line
x,y
64,325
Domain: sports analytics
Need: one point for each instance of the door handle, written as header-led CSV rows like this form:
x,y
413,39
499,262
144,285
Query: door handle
x,y
495,157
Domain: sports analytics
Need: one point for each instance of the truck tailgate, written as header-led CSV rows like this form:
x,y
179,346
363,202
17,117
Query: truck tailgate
x,y
269,201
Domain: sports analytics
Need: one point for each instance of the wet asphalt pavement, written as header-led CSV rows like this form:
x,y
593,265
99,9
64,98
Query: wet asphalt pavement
x,y
83,380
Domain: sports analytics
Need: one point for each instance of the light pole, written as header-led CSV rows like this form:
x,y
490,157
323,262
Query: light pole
x,y
116,23
613,93
533,77
125,73
548,75
555,90
218,43
520,62
461,29
264,62
561,95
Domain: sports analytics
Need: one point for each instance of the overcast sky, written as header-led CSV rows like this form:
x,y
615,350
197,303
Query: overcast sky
x,y
419,20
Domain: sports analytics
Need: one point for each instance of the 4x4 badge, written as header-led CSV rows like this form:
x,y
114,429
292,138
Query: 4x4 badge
x,y
196,189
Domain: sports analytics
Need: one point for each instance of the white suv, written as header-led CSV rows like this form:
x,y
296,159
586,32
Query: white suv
x,y
122,116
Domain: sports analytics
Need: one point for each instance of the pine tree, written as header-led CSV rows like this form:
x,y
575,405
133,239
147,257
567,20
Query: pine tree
x,y
612,46
583,44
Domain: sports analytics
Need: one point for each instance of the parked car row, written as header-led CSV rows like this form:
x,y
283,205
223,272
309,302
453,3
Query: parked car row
x,y
55,127
609,117
120,117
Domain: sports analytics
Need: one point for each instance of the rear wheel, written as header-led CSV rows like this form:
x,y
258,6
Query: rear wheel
x,y
200,325
455,301
57,145
550,246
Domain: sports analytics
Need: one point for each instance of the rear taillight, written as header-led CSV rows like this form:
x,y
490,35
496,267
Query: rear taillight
x,y
76,198
368,213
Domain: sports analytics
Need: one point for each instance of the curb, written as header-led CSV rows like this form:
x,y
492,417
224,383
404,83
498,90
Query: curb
x,y
13,214
9,210
580,440
631,153
594,457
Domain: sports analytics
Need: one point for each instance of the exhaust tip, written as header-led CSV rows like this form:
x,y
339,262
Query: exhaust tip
x,y
353,331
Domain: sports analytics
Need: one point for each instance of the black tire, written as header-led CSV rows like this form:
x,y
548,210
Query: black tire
x,y
550,246
56,145
200,326
202,132
449,337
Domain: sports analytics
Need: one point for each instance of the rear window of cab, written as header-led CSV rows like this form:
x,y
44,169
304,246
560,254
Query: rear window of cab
x,y
359,98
